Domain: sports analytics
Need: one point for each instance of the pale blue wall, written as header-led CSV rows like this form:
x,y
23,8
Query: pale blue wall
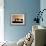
x,y
43,6
28,8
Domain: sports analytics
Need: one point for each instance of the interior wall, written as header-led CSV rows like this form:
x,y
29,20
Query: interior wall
x,y
43,6
1,20
26,7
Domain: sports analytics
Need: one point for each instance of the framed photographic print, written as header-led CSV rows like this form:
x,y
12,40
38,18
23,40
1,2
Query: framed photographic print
x,y
17,19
